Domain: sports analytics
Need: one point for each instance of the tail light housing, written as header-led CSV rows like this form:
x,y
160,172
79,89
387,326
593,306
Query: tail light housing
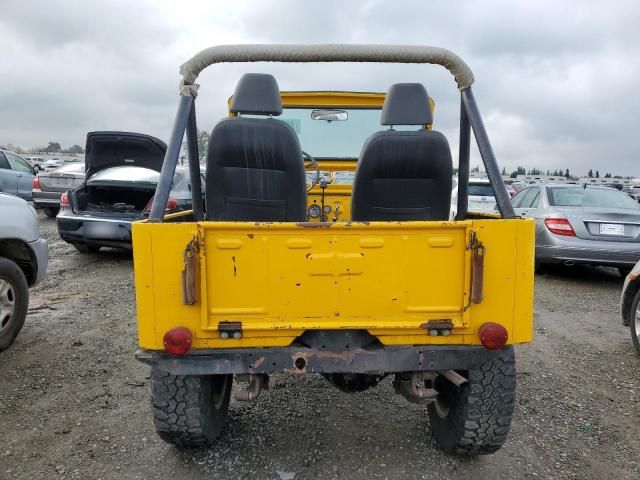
x,y
559,226
172,205
36,183
64,200
177,341
493,336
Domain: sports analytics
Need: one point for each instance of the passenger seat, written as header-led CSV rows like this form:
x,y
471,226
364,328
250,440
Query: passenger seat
x,y
403,175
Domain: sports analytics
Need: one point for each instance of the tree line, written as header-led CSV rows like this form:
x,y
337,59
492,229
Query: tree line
x,y
52,147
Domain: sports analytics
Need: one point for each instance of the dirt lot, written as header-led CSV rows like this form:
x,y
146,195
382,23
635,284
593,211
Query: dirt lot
x,y
75,404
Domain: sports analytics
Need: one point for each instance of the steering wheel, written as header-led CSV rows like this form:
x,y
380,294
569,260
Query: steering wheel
x,y
308,163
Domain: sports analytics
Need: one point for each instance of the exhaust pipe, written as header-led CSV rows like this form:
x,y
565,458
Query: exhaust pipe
x,y
252,391
568,263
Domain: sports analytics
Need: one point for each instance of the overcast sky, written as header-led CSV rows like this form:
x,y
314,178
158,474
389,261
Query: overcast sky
x,y
556,81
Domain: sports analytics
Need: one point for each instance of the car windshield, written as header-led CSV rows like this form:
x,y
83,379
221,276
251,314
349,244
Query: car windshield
x,y
334,135
589,197
71,168
126,174
480,190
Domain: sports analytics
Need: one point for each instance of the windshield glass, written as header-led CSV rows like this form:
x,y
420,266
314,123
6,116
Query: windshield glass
x,y
71,168
334,138
483,190
126,174
589,197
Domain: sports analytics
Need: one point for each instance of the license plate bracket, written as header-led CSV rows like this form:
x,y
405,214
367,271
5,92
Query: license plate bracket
x,y
612,229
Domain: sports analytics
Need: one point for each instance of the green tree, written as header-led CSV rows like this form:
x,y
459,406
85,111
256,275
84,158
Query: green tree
x,y
75,149
53,147
597,174
567,174
590,174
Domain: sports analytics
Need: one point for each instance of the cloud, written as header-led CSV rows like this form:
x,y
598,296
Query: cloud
x,y
555,80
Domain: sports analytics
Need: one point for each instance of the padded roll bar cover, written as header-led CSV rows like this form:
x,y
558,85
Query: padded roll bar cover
x,y
257,94
324,53
406,104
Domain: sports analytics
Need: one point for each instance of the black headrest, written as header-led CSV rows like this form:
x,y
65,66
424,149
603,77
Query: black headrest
x,y
257,94
406,104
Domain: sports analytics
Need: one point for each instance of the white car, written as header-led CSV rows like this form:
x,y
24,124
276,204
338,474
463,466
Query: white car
x,y
481,199
23,263
50,165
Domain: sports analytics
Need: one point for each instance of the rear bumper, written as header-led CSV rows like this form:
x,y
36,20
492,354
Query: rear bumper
x,y
45,199
551,249
94,231
311,360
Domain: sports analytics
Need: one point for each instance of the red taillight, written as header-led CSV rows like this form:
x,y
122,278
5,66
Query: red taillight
x,y
36,183
559,226
64,200
172,204
493,335
177,341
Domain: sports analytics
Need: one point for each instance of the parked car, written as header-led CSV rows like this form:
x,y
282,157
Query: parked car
x,y
481,199
48,186
16,175
23,263
580,224
36,162
630,305
52,164
519,185
122,172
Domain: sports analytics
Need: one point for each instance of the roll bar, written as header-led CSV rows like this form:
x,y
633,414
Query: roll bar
x,y
470,118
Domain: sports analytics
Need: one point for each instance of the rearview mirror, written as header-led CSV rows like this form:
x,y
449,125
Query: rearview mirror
x,y
330,115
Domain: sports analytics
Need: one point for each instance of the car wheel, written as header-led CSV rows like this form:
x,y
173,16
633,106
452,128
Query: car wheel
x,y
634,321
86,248
14,301
50,212
189,410
475,418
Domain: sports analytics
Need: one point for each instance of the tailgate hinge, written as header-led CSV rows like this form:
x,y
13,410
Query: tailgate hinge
x,y
189,272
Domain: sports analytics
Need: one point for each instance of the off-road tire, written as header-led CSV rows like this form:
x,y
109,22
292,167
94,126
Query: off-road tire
x,y
86,248
480,411
633,325
51,212
189,410
12,273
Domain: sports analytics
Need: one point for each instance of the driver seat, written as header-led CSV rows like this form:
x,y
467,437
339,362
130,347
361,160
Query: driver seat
x,y
403,175
255,170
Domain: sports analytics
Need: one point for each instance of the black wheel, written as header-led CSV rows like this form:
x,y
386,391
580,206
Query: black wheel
x,y
86,248
51,212
624,271
634,321
189,410
14,301
475,418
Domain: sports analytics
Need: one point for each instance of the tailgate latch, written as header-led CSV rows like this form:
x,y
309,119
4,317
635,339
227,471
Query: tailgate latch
x,y
477,268
189,272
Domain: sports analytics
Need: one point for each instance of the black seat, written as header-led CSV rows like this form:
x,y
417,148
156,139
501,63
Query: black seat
x,y
255,170
403,175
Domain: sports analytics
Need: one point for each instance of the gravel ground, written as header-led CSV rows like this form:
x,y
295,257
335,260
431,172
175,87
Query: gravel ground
x,y
75,404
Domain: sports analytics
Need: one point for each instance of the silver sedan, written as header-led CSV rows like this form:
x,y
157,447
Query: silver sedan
x,y
581,224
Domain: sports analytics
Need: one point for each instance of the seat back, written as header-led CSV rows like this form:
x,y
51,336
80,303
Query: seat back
x,y
403,175
255,170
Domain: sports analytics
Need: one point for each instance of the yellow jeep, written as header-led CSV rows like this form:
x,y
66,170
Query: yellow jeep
x,y
326,243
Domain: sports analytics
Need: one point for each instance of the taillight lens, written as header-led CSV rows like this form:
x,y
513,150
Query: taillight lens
x,y
559,226
493,336
172,204
64,200
177,341
36,183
